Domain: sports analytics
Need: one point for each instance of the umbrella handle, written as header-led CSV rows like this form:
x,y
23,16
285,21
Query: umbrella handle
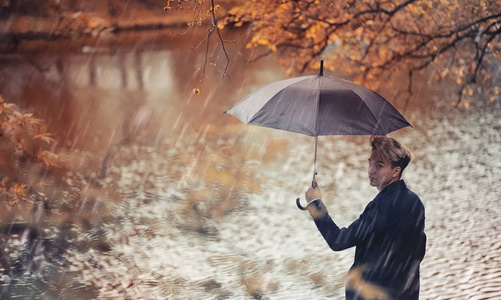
x,y
299,205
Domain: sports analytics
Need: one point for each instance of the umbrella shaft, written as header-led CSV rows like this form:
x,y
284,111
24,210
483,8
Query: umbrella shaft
x,y
315,160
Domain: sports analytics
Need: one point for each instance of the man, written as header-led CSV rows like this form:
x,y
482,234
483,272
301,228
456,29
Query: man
x,y
389,235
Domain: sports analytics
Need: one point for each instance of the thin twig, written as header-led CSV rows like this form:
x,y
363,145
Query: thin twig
x,y
215,25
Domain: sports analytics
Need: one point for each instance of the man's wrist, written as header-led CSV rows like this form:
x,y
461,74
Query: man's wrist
x,y
316,199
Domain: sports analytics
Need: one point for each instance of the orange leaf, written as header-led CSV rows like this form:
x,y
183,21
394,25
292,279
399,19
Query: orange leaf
x,y
45,137
20,190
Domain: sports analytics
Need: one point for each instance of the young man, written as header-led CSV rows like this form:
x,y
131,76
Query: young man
x,y
389,235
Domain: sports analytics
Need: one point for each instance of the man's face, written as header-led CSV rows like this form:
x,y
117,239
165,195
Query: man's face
x,y
381,172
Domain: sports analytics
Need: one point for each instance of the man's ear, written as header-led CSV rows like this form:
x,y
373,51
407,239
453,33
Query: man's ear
x,y
397,171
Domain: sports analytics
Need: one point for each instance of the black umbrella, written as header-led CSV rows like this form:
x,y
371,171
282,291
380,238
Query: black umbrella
x,y
318,105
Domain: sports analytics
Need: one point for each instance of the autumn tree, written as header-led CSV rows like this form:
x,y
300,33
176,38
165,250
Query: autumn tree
x,y
369,40
46,208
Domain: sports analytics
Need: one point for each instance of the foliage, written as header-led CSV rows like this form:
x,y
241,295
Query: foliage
x,y
457,40
24,146
46,209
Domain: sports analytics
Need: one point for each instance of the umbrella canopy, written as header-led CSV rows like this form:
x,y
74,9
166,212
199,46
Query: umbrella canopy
x,y
319,105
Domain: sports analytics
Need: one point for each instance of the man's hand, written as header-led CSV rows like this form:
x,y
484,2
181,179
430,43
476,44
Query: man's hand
x,y
313,192
317,209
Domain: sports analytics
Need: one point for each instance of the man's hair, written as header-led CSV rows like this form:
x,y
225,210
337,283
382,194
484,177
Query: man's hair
x,y
392,150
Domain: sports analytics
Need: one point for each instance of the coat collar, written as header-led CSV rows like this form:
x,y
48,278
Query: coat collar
x,y
393,187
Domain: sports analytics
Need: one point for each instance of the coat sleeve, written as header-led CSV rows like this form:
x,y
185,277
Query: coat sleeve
x,y
369,222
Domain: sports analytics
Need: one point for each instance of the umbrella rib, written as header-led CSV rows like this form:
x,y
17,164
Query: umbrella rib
x,y
372,113
256,115
377,120
378,115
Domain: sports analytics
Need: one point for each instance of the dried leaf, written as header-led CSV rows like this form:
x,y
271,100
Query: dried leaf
x,y
45,137
20,190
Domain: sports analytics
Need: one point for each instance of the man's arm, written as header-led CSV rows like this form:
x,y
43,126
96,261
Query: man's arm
x,y
342,238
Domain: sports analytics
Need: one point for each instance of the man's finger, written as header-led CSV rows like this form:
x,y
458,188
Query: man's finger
x,y
314,184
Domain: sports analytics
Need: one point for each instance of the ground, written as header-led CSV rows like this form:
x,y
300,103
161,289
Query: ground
x,y
271,250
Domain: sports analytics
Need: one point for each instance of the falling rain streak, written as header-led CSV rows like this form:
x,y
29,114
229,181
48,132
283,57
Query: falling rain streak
x,y
162,196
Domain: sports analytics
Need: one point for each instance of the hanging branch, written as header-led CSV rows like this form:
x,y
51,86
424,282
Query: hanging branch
x,y
472,79
215,25
213,28
409,90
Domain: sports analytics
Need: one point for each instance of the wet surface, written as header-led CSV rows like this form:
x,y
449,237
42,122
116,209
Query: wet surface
x,y
208,205
270,248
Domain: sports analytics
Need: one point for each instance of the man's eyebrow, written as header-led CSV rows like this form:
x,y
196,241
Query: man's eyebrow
x,y
377,161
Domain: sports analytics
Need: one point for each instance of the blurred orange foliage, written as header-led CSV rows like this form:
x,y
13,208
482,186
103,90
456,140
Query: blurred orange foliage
x,y
23,148
371,41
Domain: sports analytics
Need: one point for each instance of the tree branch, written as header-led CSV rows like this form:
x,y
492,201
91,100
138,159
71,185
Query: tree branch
x,y
215,25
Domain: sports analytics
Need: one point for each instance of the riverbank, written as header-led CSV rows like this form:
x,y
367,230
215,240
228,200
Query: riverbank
x,y
23,27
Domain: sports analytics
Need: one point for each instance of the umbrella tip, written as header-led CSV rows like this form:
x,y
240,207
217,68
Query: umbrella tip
x,y
321,67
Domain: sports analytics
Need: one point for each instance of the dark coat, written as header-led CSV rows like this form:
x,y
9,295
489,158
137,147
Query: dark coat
x,y
389,239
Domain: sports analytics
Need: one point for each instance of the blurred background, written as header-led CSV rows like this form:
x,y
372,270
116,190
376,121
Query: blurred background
x,y
121,178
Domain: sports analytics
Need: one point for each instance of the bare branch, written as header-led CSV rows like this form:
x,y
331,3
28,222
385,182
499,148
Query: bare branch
x,y
216,26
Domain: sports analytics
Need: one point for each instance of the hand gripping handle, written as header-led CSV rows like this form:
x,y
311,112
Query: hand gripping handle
x,y
298,203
